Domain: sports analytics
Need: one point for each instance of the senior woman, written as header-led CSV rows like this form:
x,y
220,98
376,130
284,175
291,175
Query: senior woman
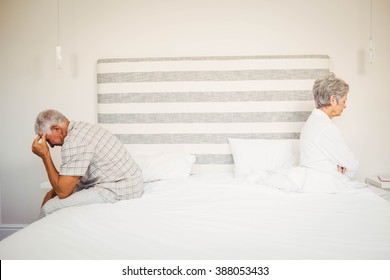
x,y
323,152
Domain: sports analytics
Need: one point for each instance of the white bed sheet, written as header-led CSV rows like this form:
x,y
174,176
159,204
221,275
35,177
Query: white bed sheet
x,y
212,217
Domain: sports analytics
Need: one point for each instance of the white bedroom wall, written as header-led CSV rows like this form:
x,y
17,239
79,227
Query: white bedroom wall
x,y
93,29
1,216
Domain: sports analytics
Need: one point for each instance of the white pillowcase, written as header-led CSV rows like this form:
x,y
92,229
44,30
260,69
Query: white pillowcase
x,y
256,155
157,166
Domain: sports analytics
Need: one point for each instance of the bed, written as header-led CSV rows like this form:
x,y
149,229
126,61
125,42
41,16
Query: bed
x,y
204,130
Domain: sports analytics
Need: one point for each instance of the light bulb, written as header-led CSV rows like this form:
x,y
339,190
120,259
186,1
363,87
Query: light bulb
x,y
58,57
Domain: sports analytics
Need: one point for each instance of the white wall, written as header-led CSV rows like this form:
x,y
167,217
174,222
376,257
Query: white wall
x,y
92,29
1,216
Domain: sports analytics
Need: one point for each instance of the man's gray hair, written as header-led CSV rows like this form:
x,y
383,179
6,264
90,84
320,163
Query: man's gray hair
x,y
327,86
46,119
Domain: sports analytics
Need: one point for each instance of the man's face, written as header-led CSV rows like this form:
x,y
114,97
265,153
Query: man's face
x,y
55,137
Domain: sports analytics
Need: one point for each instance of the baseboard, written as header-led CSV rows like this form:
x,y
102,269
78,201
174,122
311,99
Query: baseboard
x,y
8,229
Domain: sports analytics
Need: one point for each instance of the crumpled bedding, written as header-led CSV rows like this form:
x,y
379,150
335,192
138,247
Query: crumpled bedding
x,y
210,217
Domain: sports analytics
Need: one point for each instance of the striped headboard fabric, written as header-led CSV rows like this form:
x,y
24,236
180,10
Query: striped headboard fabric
x,y
193,104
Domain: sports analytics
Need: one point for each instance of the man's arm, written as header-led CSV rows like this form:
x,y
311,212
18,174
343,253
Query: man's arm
x,y
49,195
63,186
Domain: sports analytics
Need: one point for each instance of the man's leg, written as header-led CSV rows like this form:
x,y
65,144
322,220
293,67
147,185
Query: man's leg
x,y
83,197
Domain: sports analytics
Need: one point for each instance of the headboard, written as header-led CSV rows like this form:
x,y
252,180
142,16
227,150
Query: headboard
x,y
193,104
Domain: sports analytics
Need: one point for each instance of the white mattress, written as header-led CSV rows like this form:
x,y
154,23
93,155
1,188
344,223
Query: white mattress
x,y
212,217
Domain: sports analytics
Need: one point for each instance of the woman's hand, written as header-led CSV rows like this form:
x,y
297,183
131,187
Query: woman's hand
x,y
341,169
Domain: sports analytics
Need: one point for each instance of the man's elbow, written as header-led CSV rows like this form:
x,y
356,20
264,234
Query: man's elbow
x,y
62,194
65,186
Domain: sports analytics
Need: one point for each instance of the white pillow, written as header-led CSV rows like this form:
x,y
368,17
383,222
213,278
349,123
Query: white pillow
x,y
256,155
163,165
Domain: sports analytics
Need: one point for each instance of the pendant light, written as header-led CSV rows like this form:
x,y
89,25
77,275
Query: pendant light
x,y
58,47
371,51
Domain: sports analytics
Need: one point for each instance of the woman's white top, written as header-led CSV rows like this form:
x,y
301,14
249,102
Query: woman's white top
x,y
322,148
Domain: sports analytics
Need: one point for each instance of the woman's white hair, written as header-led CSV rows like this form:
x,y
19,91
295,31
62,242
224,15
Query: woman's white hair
x,y
327,86
46,119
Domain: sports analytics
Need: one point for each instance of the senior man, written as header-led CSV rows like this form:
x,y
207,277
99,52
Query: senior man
x,y
96,167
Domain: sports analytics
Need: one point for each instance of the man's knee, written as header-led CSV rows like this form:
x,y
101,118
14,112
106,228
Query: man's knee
x,y
43,212
48,207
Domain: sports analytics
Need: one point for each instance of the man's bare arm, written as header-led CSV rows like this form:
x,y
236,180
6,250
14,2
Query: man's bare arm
x,y
63,186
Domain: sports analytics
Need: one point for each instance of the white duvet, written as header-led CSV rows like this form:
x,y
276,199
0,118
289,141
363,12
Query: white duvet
x,y
213,217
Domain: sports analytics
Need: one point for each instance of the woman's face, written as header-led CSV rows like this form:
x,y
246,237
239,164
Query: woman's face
x,y
338,107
